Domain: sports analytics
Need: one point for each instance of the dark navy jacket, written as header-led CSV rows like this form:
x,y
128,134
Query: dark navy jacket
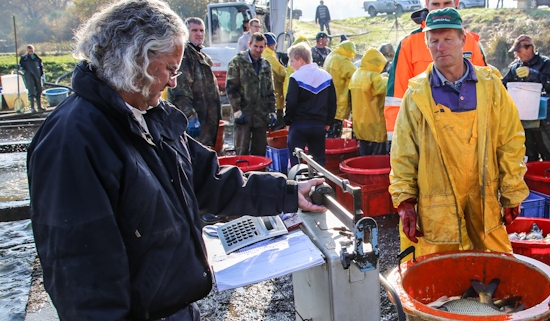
x,y
539,71
115,211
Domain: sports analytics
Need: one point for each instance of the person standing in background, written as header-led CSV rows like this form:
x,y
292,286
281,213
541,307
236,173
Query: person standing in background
x,y
196,93
250,92
530,66
254,26
279,73
322,16
33,72
339,64
368,90
413,57
310,104
320,51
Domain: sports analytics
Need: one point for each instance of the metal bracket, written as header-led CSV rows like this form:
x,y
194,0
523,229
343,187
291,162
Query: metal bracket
x,y
364,259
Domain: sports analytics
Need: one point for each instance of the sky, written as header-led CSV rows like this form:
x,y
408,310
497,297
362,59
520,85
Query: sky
x,y
342,9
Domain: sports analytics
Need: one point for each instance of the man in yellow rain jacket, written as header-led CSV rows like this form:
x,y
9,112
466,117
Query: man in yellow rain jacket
x,y
339,64
279,74
368,90
412,58
457,150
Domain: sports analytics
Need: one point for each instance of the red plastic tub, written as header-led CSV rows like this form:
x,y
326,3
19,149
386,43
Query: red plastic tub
x,y
337,150
371,173
219,137
538,250
368,170
278,138
538,177
246,163
433,276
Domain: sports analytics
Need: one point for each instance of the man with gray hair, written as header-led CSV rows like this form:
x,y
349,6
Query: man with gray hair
x,y
196,93
116,184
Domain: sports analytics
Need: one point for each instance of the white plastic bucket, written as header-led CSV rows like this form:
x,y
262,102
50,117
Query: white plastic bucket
x,y
526,95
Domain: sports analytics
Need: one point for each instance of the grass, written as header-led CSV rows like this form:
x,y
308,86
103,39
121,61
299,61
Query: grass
x,y
497,29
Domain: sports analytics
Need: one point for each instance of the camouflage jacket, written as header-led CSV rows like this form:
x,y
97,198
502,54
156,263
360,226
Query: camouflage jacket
x,y
248,92
197,93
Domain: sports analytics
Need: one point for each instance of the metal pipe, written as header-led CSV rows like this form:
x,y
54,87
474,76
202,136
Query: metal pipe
x,y
395,297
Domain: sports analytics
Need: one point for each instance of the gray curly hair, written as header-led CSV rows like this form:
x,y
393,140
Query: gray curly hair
x,y
119,41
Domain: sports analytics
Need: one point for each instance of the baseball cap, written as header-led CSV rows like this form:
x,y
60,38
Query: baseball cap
x,y
447,18
521,41
321,35
271,39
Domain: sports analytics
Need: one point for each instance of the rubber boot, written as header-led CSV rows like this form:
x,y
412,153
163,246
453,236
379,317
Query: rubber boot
x,y
39,103
280,120
31,100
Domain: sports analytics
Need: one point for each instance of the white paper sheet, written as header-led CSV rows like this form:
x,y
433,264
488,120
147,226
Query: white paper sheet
x,y
263,260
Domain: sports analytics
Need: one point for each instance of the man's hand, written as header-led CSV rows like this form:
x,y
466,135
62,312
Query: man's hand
x,y
304,201
510,214
239,118
272,121
194,127
522,72
408,216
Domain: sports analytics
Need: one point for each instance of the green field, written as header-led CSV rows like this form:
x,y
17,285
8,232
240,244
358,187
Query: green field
x,y
497,28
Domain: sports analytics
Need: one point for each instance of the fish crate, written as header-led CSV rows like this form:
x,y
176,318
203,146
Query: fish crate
x,y
532,206
546,203
280,159
536,249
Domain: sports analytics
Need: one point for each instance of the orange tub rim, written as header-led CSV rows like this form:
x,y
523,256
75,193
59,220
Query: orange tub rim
x,y
420,311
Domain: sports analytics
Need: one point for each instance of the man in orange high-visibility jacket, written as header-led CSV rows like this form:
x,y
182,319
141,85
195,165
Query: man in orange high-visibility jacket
x,y
413,57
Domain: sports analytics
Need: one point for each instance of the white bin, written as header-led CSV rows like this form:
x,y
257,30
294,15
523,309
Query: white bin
x,y
9,83
526,95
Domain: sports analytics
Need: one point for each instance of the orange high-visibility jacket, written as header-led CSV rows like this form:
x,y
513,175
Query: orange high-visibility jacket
x,y
412,58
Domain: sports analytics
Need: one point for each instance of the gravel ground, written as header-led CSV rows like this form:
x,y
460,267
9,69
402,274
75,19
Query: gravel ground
x,y
272,300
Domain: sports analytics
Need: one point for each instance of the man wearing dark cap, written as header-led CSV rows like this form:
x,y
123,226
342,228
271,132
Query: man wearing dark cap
x,y
279,73
530,66
320,51
457,151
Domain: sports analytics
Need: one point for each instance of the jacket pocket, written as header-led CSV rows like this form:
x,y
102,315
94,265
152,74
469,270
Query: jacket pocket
x,y
439,218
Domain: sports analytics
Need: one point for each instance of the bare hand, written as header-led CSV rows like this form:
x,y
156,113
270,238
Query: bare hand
x,y
304,201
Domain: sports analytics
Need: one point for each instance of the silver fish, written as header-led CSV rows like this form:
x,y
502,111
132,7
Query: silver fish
x,y
470,307
535,233
513,236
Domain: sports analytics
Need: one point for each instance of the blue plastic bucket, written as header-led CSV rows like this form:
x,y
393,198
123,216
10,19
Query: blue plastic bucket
x,y
56,95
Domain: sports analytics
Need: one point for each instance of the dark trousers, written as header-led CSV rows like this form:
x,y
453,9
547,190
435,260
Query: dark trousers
x,y
249,140
367,148
535,146
300,135
324,24
191,313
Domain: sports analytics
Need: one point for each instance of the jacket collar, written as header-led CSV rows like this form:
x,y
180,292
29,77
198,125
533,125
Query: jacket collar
x,y
169,122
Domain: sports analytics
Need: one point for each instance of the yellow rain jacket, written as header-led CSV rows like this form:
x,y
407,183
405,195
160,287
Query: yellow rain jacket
x,y
368,90
289,69
339,64
279,74
421,171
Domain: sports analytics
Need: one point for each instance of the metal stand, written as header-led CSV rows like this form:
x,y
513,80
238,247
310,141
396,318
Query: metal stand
x,y
396,25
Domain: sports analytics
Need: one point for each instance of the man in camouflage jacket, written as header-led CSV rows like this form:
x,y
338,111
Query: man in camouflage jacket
x,y
250,93
196,93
